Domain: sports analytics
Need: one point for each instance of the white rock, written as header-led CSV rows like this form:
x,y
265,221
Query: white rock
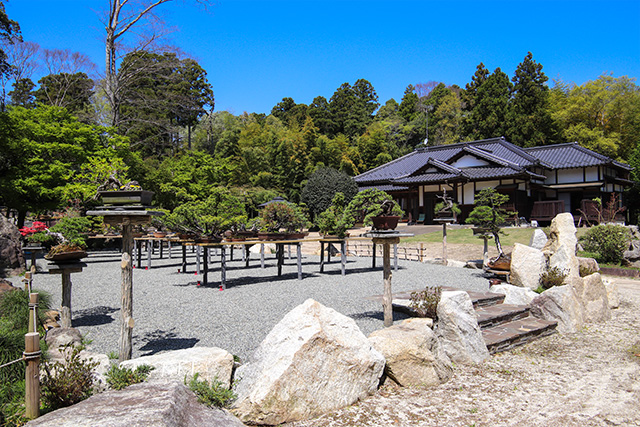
x,y
313,361
560,304
538,239
209,362
613,295
592,294
561,246
514,294
457,329
527,265
269,248
454,263
413,355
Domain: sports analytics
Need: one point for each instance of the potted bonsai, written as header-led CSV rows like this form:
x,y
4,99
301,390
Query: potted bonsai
x,y
376,208
281,219
446,209
488,216
208,218
333,221
70,233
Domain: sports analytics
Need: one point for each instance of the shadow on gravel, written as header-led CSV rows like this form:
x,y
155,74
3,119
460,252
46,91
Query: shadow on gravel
x,y
93,316
379,315
159,340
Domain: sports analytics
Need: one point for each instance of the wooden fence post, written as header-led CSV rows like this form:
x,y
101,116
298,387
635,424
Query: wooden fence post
x,y
32,354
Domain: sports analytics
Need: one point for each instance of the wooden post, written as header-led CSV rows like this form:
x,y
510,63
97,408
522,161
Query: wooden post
x,y
386,297
33,312
126,304
444,243
65,313
421,256
32,375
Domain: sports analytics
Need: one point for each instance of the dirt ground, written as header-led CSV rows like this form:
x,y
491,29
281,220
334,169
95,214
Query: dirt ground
x,y
587,378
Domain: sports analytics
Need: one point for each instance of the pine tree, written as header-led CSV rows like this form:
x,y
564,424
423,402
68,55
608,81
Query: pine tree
x,y
530,123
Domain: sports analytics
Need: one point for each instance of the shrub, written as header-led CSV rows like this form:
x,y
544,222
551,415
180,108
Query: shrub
x,y
69,382
333,221
283,216
214,395
554,276
586,271
14,323
426,301
119,378
608,241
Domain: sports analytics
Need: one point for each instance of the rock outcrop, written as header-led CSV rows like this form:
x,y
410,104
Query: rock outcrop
x,y
211,363
313,361
561,304
457,329
527,266
592,295
160,404
413,355
11,256
514,294
538,239
561,247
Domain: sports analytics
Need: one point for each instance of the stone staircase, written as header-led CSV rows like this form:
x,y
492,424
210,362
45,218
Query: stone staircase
x,y
504,326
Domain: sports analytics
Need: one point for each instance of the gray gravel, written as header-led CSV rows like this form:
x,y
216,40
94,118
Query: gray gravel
x,y
171,312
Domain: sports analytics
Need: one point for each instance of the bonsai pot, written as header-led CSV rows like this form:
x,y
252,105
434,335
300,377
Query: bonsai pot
x,y
296,236
385,222
124,197
273,236
209,239
159,235
66,256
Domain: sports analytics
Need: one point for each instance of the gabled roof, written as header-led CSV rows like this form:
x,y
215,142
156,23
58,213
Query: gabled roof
x,y
571,155
495,150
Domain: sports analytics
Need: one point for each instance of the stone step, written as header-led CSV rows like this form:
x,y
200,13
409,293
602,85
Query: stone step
x,y
518,332
498,314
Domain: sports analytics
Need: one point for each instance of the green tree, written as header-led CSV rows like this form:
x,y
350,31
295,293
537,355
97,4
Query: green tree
x,y
71,91
531,122
602,115
8,29
323,185
43,150
352,107
491,107
22,94
408,109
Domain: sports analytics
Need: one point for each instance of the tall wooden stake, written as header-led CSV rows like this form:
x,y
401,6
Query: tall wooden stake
x,y
32,375
126,306
444,243
386,297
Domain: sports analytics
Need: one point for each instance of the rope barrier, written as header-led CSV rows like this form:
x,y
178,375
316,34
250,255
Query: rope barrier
x,y
25,357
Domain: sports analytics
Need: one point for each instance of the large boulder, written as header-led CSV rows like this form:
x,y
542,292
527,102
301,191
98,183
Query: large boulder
x,y
160,404
561,247
588,264
210,363
560,304
514,294
412,352
6,286
58,338
313,361
632,255
592,294
11,256
457,329
538,239
527,266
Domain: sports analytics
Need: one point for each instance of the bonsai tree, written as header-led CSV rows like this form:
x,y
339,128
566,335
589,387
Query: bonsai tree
x,y
282,216
488,214
333,220
209,217
446,208
371,203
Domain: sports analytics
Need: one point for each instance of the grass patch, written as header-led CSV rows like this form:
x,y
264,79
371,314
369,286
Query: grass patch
x,y
458,236
214,395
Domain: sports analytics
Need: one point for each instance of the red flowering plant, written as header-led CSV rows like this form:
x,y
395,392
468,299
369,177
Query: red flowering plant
x,y
39,234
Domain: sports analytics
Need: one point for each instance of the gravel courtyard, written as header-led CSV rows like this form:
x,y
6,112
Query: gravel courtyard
x,y
171,312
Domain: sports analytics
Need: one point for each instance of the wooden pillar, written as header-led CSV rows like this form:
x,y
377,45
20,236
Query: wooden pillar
x,y
32,375
444,243
65,312
126,305
386,297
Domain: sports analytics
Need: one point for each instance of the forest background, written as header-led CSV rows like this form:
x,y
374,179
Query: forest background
x,y
151,117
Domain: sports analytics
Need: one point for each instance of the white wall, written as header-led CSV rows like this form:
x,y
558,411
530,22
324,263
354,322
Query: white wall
x,y
469,161
570,175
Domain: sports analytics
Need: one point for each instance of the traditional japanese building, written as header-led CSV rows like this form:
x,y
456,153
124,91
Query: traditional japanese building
x,y
540,181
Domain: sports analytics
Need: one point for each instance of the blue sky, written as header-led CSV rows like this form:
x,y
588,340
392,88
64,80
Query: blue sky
x,y
257,52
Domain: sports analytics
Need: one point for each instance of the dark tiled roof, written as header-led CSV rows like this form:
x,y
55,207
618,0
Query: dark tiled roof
x,y
467,174
490,149
385,187
426,177
571,155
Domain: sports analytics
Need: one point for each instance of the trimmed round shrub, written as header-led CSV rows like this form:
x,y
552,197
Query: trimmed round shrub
x,y
323,185
609,241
